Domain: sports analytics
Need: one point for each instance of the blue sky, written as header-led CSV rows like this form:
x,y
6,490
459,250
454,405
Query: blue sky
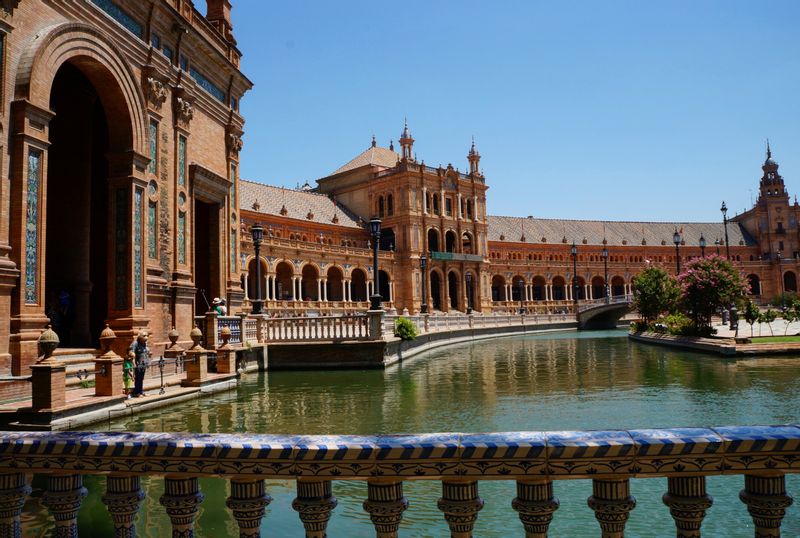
x,y
622,110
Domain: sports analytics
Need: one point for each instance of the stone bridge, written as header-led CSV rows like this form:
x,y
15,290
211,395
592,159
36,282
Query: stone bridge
x,y
603,313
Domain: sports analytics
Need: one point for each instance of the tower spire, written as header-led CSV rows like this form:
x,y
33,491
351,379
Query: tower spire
x,y
474,159
769,152
407,143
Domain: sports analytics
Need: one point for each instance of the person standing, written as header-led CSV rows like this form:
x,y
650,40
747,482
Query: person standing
x,y
127,374
139,352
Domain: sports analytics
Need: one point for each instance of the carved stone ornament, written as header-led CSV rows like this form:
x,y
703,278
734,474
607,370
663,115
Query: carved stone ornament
x,y
234,143
155,90
184,110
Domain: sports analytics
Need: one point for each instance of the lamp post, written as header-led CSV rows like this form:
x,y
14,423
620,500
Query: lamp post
x,y
423,265
574,253
702,246
469,293
724,210
521,296
257,233
676,238
716,242
605,269
375,230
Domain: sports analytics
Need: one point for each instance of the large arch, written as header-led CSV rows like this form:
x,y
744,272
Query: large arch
x,y
450,241
433,240
517,288
539,288
755,284
499,288
789,282
358,285
617,286
598,287
453,288
436,290
284,281
559,288
310,283
251,279
333,284
580,289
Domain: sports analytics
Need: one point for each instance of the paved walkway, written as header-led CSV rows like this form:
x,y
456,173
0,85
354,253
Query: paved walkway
x,y
778,329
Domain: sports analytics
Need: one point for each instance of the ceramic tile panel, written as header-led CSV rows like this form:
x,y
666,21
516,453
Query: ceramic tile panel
x,y
589,453
503,454
749,448
673,450
257,455
332,456
423,455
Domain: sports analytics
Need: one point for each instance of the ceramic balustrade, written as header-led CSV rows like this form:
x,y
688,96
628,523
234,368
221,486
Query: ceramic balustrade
x,y
309,329
460,461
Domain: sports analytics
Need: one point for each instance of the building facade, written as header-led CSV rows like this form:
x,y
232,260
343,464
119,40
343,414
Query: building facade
x,y
120,168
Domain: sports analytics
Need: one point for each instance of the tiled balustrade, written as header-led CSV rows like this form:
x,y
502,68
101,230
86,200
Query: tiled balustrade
x,y
762,454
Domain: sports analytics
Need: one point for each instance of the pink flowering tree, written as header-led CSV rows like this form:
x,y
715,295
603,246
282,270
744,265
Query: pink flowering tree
x,y
708,284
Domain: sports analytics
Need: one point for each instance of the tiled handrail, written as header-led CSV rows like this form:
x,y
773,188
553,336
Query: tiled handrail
x,y
614,299
309,329
763,454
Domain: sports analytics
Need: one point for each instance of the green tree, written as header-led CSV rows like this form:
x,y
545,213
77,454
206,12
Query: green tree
x,y
707,285
751,313
767,316
654,293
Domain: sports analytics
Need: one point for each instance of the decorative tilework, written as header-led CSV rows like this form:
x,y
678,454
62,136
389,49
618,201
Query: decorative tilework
x,y
153,166
121,16
181,161
677,449
32,228
137,248
234,250
206,84
182,237
121,249
152,224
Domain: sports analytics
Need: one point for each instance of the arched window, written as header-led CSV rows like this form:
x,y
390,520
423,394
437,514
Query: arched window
x,y
380,207
389,205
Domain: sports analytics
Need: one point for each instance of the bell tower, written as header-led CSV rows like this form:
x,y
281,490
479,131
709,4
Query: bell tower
x,y
407,144
474,159
771,186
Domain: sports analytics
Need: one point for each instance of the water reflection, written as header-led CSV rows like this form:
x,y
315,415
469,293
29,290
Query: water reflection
x,y
544,382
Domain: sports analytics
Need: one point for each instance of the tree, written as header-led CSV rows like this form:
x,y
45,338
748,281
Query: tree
x,y
751,313
654,293
768,316
707,285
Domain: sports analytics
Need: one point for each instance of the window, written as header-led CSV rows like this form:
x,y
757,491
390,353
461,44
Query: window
x,y
448,206
205,83
436,205
155,41
184,63
121,16
780,245
234,103
152,168
390,205
181,161
380,207
168,52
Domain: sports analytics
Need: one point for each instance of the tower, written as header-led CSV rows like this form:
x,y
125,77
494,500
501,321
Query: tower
x,y
407,143
474,159
771,186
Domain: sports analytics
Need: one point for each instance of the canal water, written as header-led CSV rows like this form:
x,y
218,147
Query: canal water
x,y
557,381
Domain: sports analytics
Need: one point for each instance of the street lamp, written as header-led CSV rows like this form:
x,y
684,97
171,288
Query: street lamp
x,y
724,210
702,246
716,242
521,296
257,233
375,231
605,269
574,252
423,265
469,293
676,238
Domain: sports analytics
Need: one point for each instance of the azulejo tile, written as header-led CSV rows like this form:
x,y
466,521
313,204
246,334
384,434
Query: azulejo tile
x,y
503,454
428,446
335,448
676,450
589,453
750,448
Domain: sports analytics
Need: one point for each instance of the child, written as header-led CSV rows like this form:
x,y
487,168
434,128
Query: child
x,y
127,375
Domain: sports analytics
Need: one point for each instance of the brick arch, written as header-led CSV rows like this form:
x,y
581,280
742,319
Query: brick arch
x,y
102,63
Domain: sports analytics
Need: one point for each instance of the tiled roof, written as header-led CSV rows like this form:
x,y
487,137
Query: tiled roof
x,y
615,232
375,155
298,204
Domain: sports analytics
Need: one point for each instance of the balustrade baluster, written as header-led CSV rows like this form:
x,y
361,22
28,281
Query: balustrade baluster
x,y
535,503
248,502
767,501
612,502
460,504
688,502
182,499
14,489
385,504
63,498
123,497
314,503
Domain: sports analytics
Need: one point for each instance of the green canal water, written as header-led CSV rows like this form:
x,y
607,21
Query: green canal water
x,y
593,380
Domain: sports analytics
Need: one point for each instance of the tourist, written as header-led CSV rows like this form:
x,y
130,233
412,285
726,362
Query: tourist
x,y
139,353
127,375
219,306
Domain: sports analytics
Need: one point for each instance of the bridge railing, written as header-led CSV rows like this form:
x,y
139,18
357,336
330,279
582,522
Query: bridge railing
x,y
535,460
594,303
450,322
309,329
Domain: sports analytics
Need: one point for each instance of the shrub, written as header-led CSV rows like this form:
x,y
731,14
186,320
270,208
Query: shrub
x,y
404,329
654,293
678,323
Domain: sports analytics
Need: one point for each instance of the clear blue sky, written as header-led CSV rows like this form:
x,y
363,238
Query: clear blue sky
x,y
622,110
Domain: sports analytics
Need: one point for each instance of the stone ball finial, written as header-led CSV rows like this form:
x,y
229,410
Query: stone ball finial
x,y
197,336
225,335
173,336
107,338
48,342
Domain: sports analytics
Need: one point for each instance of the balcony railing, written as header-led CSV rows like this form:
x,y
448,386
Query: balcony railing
x,y
534,460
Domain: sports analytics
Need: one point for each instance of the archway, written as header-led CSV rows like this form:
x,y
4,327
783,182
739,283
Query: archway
x,y
387,241
598,287
436,291
384,285
469,290
466,243
284,282
310,284
251,280
559,289
450,241
517,288
755,284
433,240
617,286
453,289
789,281
358,285
333,284
498,288
580,290
539,288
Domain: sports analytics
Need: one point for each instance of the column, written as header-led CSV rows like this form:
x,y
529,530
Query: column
x,y
688,502
460,504
325,289
385,504
246,287
319,290
345,295
391,290
123,498
424,200
14,489
248,501
767,501
475,209
611,501
441,202
182,499
314,503
458,203
63,498
535,504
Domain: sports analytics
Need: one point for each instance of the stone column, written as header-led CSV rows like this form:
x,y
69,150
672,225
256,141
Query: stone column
x,y
63,498
688,502
767,501
248,501
460,504
460,214
123,498
345,297
385,504
612,502
424,200
319,290
182,499
535,503
314,503
14,489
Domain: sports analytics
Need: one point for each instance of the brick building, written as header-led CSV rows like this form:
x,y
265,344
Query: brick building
x,y
119,176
